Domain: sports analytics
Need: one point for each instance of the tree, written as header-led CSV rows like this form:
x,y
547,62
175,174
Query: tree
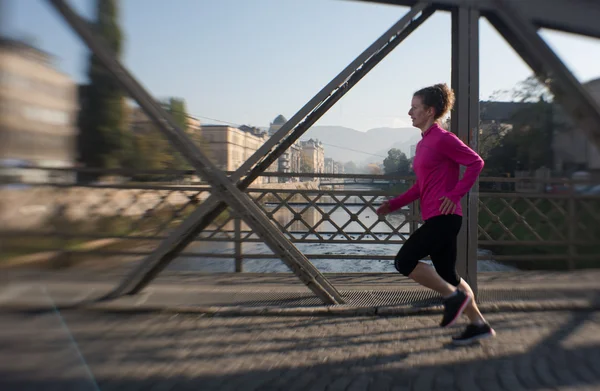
x,y
151,153
305,166
202,144
490,136
177,109
373,169
396,163
104,141
152,150
528,146
533,132
532,90
528,90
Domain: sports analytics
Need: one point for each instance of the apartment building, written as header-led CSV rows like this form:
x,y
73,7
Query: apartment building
x,y
230,147
38,121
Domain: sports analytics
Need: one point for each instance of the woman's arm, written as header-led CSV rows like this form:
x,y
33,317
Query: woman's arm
x,y
406,198
462,154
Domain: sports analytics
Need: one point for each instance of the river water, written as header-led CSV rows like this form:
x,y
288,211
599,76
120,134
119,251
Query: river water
x,y
312,217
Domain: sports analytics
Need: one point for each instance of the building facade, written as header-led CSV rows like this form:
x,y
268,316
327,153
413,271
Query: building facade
x,y
313,155
38,121
291,160
329,165
230,147
333,167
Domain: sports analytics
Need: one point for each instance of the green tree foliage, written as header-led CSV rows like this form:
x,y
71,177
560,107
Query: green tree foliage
x,y
177,109
528,145
154,152
104,141
397,163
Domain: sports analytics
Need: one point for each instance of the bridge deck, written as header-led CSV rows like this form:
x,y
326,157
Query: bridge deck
x,y
365,293
122,346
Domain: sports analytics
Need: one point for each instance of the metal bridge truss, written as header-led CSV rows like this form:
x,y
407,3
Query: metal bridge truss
x,y
516,20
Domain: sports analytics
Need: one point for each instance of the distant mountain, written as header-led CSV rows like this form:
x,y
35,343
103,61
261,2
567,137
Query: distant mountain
x,y
346,144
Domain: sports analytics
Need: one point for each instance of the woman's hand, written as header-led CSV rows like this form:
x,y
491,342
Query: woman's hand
x,y
447,207
384,208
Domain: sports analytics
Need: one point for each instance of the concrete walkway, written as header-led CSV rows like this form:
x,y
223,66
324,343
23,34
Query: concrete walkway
x,y
136,344
283,293
106,351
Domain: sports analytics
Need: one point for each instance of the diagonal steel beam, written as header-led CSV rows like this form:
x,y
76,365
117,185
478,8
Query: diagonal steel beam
x,y
220,183
299,124
548,67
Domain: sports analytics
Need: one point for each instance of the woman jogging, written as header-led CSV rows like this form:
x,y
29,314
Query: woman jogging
x,y
437,162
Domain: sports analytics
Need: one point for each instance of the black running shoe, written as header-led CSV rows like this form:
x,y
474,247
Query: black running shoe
x,y
474,333
454,307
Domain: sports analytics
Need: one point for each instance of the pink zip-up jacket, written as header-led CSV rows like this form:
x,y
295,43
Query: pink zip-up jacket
x,y
437,162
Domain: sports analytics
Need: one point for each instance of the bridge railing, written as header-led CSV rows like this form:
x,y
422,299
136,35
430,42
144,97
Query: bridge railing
x,y
129,214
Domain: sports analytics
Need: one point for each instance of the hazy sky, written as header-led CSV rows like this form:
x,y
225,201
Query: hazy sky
x,y
245,61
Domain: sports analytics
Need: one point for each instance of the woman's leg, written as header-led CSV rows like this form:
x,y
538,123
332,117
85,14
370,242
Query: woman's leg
x,y
472,311
444,260
420,244
407,263
429,278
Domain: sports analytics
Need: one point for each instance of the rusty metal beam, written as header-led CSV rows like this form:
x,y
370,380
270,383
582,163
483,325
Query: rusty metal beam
x,y
220,183
508,19
573,16
305,118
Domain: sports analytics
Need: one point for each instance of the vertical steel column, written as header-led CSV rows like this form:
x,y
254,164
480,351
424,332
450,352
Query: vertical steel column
x,y
465,123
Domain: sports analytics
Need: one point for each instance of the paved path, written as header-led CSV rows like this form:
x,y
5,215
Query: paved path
x,y
77,350
383,294
128,345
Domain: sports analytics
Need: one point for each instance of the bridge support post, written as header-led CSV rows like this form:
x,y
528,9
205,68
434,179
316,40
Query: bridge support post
x,y
465,123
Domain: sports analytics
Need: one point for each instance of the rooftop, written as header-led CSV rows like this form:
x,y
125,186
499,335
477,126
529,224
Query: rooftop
x,y
26,50
279,120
